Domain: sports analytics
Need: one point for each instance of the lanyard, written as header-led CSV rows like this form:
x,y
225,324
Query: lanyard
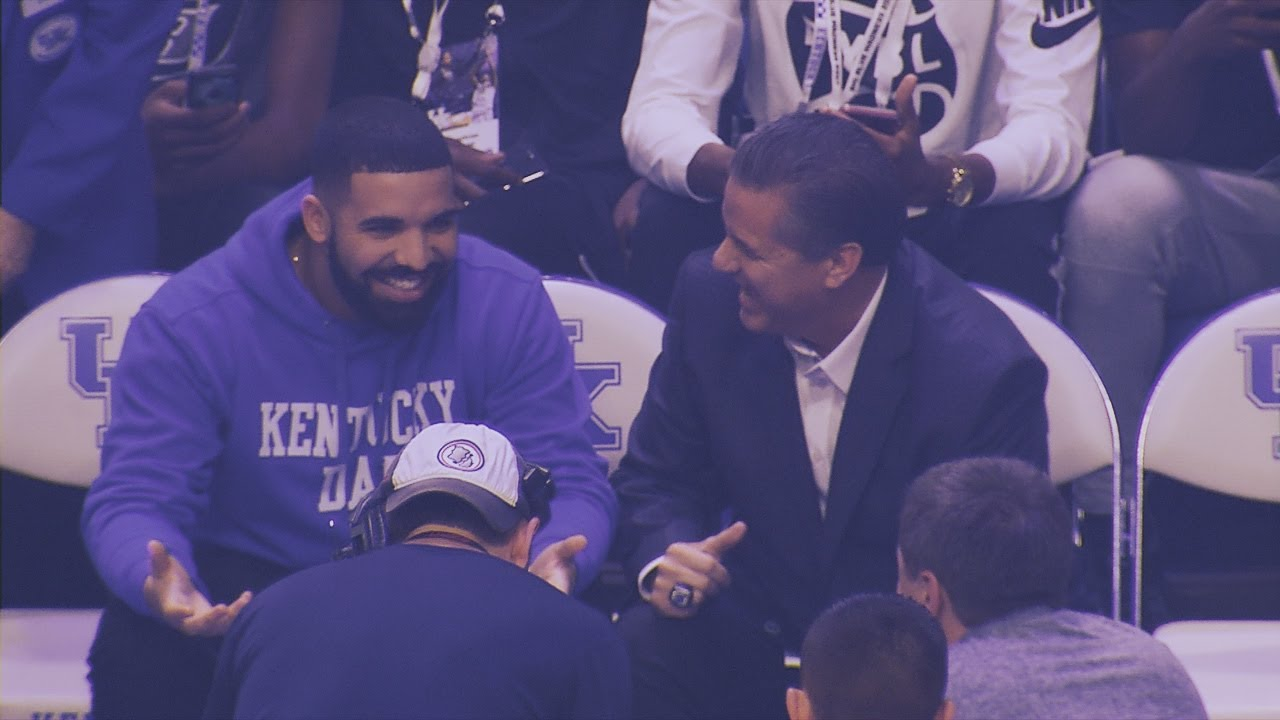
x,y
429,52
829,39
199,36
889,62
821,40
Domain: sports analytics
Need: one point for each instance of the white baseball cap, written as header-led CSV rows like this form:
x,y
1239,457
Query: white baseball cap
x,y
474,463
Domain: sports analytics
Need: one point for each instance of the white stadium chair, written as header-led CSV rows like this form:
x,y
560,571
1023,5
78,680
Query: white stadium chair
x,y
55,378
1082,427
615,340
42,671
1213,421
1235,664
55,373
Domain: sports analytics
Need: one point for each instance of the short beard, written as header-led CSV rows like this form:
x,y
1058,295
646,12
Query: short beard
x,y
393,316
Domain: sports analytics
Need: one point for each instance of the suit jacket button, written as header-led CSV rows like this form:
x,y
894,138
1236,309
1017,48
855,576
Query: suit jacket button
x,y
772,628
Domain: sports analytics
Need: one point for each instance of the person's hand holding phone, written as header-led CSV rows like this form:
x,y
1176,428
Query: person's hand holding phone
x,y
897,132
182,136
475,168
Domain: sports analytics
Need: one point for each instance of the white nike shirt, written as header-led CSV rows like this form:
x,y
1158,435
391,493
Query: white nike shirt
x,y
1013,80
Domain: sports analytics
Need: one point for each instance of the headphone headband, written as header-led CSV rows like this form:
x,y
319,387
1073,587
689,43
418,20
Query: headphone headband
x,y
368,520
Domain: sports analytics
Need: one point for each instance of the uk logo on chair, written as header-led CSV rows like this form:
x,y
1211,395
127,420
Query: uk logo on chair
x,y
615,340
55,373
1261,350
89,372
596,376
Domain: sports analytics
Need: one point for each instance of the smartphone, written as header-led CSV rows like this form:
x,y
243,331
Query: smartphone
x,y
525,161
882,120
210,86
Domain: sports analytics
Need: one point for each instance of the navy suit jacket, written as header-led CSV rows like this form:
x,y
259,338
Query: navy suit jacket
x,y
943,375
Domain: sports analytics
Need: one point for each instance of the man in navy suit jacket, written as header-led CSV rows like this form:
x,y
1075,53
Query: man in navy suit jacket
x,y
812,366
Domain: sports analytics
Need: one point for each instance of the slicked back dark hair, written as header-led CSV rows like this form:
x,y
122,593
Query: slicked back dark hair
x,y
373,134
994,531
875,656
840,186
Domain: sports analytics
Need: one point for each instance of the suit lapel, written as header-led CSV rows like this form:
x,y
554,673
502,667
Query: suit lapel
x,y
879,383
780,486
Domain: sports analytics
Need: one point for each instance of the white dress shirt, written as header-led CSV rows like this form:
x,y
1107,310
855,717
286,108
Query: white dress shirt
x,y
822,385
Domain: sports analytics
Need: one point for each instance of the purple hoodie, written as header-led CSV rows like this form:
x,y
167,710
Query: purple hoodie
x,y
246,416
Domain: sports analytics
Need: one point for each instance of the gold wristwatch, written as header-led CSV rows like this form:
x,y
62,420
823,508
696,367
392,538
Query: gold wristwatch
x,y
960,191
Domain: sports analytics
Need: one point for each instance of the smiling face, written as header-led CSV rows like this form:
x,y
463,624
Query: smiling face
x,y
779,290
390,242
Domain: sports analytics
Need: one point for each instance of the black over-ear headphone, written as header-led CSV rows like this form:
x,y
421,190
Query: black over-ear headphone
x,y
369,518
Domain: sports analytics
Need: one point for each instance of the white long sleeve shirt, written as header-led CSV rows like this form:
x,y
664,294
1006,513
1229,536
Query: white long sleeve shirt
x,y
1007,79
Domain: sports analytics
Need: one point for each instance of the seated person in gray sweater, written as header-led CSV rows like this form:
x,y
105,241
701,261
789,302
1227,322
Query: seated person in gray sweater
x,y
872,656
985,545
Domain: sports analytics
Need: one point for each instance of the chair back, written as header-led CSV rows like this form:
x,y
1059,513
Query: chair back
x,y
42,662
1083,435
55,385
1082,427
55,378
1233,664
615,340
1213,418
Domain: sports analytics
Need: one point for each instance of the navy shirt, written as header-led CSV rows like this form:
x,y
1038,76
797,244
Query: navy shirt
x,y
412,631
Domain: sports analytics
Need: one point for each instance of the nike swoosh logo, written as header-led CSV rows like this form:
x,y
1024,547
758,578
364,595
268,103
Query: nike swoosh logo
x,y
1047,36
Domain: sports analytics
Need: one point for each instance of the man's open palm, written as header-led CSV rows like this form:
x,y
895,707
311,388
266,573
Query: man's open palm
x,y
170,592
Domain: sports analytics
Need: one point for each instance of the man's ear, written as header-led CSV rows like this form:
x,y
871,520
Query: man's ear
x,y
922,586
316,219
845,261
946,711
522,543
932,592
798,707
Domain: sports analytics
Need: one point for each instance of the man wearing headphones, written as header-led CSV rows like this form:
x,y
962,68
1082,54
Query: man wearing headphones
x,y
443,623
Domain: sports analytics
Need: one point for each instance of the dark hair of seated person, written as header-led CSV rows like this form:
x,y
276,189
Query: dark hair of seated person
x,y
875,656
994,531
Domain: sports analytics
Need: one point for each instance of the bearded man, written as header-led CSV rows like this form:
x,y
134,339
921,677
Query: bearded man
x,y
263,392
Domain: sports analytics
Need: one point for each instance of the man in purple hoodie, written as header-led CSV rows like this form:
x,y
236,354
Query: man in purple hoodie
x,y
263,391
